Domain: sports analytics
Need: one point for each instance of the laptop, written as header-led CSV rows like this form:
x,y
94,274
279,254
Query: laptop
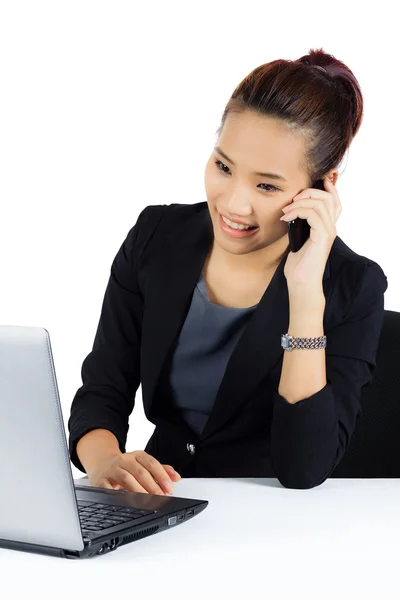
x,y
42,508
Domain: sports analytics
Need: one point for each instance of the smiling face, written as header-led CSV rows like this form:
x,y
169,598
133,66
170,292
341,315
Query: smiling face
x,y
248,144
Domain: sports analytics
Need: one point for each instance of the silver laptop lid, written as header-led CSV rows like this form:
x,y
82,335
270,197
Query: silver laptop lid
x,y
37,497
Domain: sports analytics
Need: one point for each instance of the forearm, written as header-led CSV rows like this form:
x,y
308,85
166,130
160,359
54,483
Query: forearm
x,y
304,435
95,445
303,370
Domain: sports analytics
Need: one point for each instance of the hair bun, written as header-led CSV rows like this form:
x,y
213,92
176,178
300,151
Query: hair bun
x,y
319,59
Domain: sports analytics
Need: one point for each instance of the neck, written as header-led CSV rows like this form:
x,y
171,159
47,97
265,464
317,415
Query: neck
x,y
258,263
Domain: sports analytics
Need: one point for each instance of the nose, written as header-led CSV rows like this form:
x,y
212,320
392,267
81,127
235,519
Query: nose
x,y
238,210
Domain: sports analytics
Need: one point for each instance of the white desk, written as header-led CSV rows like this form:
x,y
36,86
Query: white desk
x,y
338,540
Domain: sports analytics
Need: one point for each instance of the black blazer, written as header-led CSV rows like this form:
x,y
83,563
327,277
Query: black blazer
x,y
252,431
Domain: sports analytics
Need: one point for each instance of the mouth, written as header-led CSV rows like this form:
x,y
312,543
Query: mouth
x,y
236,233
237,222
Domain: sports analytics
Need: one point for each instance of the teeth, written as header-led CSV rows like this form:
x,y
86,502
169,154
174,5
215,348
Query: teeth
x,y
235,225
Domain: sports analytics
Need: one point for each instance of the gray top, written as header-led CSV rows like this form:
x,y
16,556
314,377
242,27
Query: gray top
x,y
207,339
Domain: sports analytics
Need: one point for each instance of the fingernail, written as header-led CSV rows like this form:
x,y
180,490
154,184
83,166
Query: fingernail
x,y
168,487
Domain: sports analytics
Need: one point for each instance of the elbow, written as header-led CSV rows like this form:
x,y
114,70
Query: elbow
x,y
300,482
304,480
305,474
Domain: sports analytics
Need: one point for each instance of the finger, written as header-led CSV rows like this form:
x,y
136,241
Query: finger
x,y
115,484
337,205
328,203
315,192
141,481
171,471
156,470
323,212
313,219
331,197
319,206
105,484
311,193
309,203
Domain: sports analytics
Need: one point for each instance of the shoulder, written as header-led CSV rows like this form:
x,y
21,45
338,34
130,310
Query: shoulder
x,y
355,267
173,211
355,279
160,221
168,215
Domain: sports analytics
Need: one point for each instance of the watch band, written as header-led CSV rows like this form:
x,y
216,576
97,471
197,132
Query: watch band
x,y
288,342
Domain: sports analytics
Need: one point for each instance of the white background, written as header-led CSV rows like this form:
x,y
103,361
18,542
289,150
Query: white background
x,y
107,107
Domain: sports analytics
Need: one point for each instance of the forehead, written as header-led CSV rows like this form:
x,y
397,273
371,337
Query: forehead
x,y
258,143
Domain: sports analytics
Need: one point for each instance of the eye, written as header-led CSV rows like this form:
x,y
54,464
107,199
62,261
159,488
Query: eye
x,y
219,163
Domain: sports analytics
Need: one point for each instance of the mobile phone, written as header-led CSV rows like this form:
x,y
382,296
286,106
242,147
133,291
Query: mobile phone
x,y
299,229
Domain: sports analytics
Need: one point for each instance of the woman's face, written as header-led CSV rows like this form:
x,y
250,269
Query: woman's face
x,y
233,189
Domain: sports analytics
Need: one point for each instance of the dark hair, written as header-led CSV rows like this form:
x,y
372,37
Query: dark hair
x,y
316,95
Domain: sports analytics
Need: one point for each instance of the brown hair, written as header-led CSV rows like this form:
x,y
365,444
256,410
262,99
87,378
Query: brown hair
x,y
315,95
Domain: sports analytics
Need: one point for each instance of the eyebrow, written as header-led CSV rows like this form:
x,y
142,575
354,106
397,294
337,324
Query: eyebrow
x,y
269,175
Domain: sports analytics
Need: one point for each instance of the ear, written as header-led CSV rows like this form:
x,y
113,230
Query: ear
x,y
333,176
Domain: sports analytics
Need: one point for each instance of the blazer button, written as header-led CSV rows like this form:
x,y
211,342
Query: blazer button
x,y
191,448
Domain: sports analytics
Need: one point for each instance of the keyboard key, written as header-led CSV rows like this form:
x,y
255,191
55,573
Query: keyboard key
x,y
143,511
89,534
120,519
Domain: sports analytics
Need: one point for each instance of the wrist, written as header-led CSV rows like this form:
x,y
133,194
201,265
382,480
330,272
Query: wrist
x,y
306,316
96,446
306,303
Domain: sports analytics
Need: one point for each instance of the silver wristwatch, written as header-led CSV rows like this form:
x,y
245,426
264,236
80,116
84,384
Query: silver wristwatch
x,y
289,342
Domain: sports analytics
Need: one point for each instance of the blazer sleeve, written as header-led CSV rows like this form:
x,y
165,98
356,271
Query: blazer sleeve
x,y
309,438
111,371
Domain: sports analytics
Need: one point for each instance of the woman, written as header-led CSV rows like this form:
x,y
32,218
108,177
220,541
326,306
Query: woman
x,y
198,305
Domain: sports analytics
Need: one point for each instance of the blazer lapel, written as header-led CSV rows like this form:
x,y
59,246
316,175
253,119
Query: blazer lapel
x,y
171,280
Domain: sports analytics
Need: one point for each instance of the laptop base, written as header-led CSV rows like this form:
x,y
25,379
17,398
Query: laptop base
x,y
100,545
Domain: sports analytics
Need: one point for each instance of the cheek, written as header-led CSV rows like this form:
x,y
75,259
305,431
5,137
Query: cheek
x,y
213,187
271,223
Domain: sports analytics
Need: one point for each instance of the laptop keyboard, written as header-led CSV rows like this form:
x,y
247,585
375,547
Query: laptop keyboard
x,y
96,517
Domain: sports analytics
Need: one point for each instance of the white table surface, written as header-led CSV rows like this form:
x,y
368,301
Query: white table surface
x,y
337,540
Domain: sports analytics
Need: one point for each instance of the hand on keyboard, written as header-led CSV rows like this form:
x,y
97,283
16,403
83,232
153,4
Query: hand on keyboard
x,y
135,471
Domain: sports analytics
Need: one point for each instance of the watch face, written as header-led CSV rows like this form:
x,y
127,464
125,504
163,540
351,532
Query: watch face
x,y
284,342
